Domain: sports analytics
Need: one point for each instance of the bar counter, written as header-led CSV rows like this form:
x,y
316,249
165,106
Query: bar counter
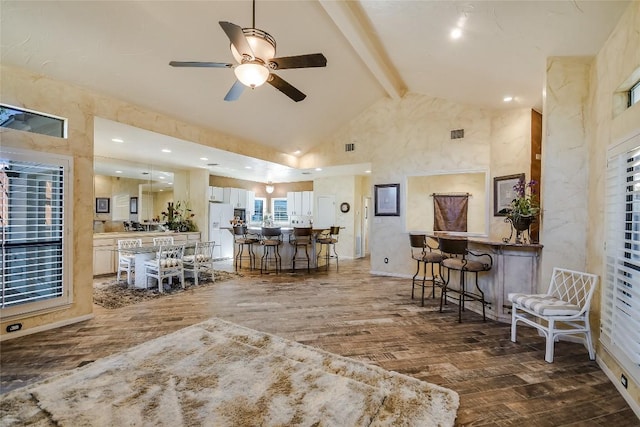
x,y
515,269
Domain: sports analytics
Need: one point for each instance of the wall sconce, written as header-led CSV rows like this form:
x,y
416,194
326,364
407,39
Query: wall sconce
x,y
269,188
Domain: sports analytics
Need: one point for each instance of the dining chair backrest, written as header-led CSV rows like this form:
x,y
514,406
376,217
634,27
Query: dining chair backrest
x,y
163,241
204,251
271,232
124,244
453,246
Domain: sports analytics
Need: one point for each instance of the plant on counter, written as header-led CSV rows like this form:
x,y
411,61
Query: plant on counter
x,y
179,217
526,204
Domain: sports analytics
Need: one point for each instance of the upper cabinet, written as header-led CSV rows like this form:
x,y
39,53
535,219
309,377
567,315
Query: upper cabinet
x,y
250,205
216,194
237,197
300,203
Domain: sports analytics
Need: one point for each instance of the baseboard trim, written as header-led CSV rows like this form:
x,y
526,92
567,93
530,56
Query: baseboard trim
x,y
46,327
386,273
616,383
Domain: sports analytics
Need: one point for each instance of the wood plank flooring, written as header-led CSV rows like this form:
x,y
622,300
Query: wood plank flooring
x,y
369,318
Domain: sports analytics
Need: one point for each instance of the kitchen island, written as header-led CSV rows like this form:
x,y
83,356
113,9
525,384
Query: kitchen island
x,y
286,249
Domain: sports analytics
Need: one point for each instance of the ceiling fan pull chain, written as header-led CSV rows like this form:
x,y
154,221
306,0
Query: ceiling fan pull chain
x,y
254,14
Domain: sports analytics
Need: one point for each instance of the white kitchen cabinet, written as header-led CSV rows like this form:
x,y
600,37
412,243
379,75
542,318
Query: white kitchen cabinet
x,y
307,203
216,194
237,197
104,257
250,205
300,203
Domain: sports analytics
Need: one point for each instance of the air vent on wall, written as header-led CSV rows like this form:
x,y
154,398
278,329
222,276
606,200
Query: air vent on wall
x,y
350,147
457,134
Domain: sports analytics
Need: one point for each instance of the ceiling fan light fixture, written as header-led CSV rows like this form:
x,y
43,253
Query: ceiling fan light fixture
x,y
262,44
252,74
269,188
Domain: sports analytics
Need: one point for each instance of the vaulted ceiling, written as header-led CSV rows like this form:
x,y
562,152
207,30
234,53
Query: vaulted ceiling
x,y
373,48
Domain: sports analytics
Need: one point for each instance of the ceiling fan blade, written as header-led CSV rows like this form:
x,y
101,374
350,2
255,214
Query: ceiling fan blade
x,y
237,38
285,88
235,91
200,64
300,61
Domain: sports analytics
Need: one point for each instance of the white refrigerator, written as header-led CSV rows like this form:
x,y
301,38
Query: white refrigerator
x,y
220,215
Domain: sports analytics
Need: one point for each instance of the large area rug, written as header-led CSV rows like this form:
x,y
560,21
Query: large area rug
x,y
113,294
217,373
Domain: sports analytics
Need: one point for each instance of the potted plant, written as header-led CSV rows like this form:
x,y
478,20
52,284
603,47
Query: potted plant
x,y
178,217
524,208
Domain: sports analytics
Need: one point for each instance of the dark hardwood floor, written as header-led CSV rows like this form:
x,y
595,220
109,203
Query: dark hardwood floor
x,y
369,318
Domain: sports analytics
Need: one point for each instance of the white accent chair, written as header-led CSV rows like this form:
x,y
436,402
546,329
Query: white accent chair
x,y
126,259
163,241
563,310
167,264
201,261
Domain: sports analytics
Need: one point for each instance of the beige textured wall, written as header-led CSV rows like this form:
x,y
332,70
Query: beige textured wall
x,y
613,66
22,89
411,137
29,90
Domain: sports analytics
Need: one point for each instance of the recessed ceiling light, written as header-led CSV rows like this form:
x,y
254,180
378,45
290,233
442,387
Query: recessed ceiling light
x,y
161,177
117,140
248,167
169,183
166,150
508,98
367,171
318,169
118,171
203,158
456,33
297,152
161,189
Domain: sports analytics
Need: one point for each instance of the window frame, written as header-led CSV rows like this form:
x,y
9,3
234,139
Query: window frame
x,y
273,210
64,121
255,209
66,298
634,94
621,278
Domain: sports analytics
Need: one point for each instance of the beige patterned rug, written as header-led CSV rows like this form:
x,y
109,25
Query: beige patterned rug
x,y
217,373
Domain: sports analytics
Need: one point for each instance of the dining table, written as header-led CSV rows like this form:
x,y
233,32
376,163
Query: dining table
x,y
145,253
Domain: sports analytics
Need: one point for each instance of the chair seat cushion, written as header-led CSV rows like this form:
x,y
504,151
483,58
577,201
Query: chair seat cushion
x,y
246,241
193,258
545,305
164,263
271,242
433,257
329,241
466,265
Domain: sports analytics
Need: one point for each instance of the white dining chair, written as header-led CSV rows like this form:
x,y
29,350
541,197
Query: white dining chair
x,y
126,259
201,261
163,241
167,265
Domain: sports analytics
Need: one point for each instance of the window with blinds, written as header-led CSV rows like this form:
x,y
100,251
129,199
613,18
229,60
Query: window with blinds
x,y
620,312
279,209
33,191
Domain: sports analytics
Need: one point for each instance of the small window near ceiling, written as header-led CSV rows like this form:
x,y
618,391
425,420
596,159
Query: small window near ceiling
x,y
634,93
32,121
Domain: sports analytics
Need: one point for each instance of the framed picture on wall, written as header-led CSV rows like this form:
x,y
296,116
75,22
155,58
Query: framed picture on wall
x,y
387,200
503,193
102,205
133,205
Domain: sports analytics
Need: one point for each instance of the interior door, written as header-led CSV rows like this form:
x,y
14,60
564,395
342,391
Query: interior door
x,y
366,203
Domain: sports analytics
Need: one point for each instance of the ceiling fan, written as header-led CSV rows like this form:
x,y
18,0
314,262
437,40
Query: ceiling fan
x,y
254,51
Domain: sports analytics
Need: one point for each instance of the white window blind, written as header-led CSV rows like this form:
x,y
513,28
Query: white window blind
x,y
32,263
620,313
